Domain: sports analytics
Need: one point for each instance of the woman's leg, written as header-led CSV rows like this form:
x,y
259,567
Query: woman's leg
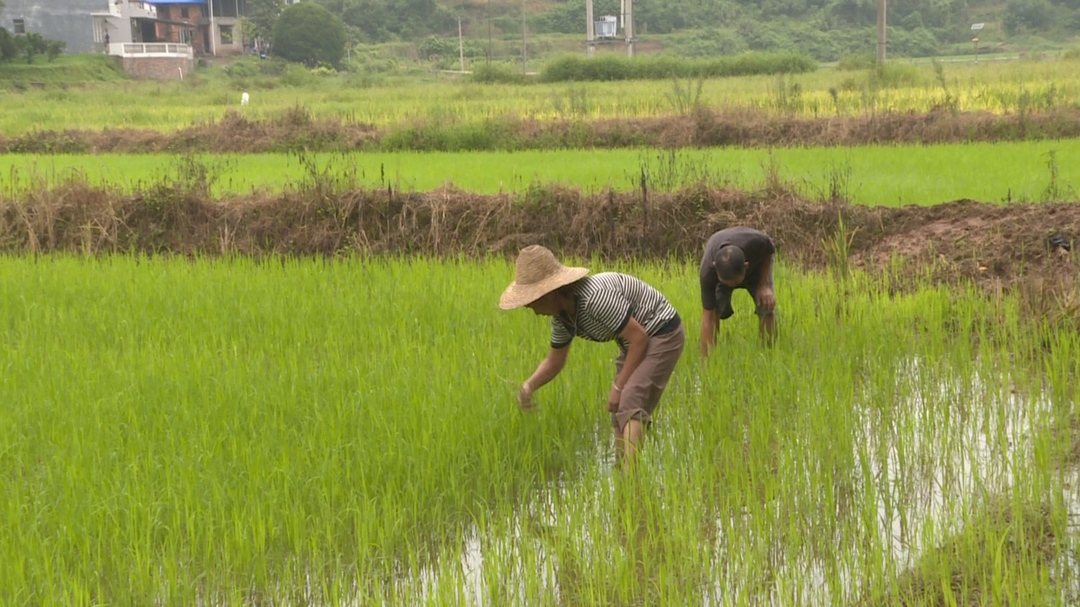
x,y
642,392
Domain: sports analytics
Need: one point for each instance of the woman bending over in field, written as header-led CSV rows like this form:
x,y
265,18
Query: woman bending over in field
x,y
604,307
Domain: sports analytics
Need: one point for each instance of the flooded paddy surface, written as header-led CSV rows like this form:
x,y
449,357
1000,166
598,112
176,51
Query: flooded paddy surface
x,y
945,458
178,432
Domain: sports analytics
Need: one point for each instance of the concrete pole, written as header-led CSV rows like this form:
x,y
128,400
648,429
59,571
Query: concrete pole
x,y
524,47
590,29
628,26
881,31
213,31
460,46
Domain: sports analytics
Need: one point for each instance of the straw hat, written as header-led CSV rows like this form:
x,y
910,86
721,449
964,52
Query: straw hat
x,y
536,274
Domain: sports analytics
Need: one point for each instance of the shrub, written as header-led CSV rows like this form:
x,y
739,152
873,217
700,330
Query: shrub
x,y
8,49
573,68
492,73
243,68
308,33
852,63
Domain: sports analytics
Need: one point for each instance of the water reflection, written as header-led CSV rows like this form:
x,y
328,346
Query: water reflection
x,y
951,448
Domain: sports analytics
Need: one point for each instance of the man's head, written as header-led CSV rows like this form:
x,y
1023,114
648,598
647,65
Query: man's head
x,y
731,265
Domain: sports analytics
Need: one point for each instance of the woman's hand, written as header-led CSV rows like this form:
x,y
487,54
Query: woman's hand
x,y
613,399
525,396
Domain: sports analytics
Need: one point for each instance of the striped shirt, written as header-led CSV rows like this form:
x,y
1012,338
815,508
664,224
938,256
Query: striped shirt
x,y
604,303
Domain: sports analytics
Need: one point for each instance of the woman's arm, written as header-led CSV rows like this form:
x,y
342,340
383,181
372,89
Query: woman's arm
x,y
638,342
545,372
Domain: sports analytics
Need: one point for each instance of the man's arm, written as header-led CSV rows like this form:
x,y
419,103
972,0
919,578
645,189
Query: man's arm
x,y
545,372
763,293
638,342
766,302
709,323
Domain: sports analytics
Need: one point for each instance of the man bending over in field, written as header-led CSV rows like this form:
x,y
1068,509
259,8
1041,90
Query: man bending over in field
x,y
736,258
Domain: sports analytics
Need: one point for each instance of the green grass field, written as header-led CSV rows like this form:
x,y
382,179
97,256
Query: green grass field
x,y
301,431
1000,87
880,175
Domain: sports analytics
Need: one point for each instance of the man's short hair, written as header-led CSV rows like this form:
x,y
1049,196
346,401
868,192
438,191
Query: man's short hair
x,y
730,262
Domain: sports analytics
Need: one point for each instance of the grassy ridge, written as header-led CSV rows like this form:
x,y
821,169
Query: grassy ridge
x,y
881,175
64,71
180,432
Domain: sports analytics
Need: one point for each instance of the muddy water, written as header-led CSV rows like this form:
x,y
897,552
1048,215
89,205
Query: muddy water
x,y
926,483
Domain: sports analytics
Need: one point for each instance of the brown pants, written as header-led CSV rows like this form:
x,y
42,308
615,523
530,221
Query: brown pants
x,y
642,392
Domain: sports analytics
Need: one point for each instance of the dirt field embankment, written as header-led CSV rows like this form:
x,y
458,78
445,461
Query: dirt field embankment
x,y
1000,246
297,130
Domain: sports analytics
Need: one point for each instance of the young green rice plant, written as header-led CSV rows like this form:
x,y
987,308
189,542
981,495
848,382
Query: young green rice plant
x,y
884,175
308,431
838,248
685,96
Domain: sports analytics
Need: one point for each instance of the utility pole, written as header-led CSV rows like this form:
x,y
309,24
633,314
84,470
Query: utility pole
x,y
524,50
628,27
213,41
590,29
460,46
881,32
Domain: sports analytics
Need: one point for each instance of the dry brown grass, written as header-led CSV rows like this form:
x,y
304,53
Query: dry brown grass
x,y
1004,247
297,129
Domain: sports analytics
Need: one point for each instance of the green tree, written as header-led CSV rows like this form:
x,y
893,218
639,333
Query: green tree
x,y
8,49
1027,15
262,15
53,48
30,45
310,34
382,20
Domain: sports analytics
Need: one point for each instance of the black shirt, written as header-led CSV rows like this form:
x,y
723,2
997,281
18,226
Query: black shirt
x,y
756,246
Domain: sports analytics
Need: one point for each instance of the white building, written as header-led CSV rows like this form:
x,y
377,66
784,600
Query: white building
x,y
64,20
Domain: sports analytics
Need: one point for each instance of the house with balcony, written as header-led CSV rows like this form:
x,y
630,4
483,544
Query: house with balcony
x,y
146,40
209,27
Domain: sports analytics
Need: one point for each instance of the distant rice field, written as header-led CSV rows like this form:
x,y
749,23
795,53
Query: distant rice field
x,y
233,431
879,175
999,87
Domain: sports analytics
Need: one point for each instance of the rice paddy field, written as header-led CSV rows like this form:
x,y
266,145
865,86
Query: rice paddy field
x,y
314,432
302,430
880,175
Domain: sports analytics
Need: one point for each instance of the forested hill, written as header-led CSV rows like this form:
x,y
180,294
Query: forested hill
x,y
824,29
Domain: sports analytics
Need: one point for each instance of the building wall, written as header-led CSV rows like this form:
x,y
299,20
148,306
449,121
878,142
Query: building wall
x,y
158,68
232,25
173,32
66,20
175,12
70,21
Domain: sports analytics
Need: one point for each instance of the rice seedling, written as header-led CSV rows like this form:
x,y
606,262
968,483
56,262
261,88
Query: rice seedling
x,y
308,431
880,175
